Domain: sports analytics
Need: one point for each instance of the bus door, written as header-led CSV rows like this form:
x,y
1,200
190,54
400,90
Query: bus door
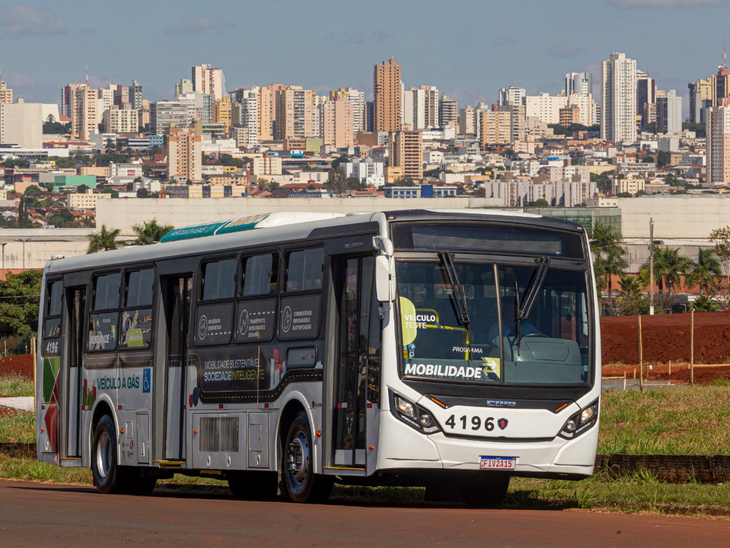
x,y
176,291
72,369
353,277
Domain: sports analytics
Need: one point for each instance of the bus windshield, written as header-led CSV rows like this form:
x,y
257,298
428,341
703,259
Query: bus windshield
x,y
490,344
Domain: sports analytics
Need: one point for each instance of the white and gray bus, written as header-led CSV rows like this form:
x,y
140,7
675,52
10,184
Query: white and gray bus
x,y
446,349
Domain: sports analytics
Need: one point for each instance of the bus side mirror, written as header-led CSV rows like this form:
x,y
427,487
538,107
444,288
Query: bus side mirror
x,y
382,279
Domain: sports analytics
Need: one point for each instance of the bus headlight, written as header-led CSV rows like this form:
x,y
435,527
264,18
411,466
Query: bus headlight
x,y
580,422
413,415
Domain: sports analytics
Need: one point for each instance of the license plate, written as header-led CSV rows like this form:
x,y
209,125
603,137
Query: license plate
x,y
498,463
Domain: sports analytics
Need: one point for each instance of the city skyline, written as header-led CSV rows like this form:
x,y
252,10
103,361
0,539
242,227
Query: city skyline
x,y
534,47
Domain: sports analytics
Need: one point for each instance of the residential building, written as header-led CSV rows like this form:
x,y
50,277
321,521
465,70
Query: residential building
x,y
246,137
208,80
367,171
183,87
222,112
646,94
81,105
85,201
546,107
512,95
718,144
387,89
495,128
467,121
6,94
357,99
413,109
118,120
165,115
587,106
294,113
318,103
405,152
135,95
184,155
21,124
267,165
618,112
448,111
105,100
570,115
700,99
628,186
669,113
578,82
337,124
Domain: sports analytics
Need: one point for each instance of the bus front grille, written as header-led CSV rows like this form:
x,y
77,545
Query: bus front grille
x,y
219,434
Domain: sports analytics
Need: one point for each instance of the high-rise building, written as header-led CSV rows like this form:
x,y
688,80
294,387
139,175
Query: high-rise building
x,y
413,109
645,97
718,144
495,128
387,89
700,98
222,112
184,155
586,106
135,95
467,121
431,106
337,123
357,98
448,111
405,152
167,115
21,124
570,115
512,95
80,103
578,82
294,113
183,87
669,113
118,120
105,99
245,113
208,80
618,113
6,94
517,121
546,107
318,103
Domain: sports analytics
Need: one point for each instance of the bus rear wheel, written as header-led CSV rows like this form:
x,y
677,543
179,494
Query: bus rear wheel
x,y
299,482
484,488
108,477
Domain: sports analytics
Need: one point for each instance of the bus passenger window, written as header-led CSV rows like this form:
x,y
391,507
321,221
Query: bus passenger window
x,y
305,270
106,291
54,300
136,331
219,280
260,274
103,326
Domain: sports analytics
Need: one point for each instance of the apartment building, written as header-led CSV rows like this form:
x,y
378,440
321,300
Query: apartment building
x,y
405,152
184,155
121,121
387,88
208,80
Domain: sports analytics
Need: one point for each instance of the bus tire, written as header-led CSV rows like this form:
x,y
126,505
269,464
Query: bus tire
x,y
299,482
108,476
252,485
484,488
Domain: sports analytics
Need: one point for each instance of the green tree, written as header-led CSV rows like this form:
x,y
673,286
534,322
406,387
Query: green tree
x,y
608,255
104,240
114,193
539,203
336,180
33,191
705,272
669,266
82,189
603,181
700,129
703,303
721,238
150,232
19,297
663,158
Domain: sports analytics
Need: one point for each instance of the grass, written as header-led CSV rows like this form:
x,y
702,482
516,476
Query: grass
x,y
658,421
666,421
15,386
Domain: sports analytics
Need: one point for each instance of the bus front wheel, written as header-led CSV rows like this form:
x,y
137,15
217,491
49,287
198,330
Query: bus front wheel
x,y
299,482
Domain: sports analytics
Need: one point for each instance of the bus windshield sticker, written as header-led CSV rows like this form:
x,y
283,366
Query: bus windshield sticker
x,y
484,369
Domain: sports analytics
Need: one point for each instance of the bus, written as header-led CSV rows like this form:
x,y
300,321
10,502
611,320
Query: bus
x,y
281,352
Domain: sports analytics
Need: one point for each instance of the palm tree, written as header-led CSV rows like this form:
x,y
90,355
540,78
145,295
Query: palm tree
x,y
608,255
674,265
603,238
705,272
631,286
613,265
150,232
105,240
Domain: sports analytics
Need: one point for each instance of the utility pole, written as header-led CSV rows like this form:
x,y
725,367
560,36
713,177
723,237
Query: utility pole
x,y
651,266
3,244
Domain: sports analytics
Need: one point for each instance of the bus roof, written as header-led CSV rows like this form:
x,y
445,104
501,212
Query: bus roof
x,y
297,227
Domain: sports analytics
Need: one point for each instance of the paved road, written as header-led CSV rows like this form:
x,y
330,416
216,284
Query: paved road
x,y
44,515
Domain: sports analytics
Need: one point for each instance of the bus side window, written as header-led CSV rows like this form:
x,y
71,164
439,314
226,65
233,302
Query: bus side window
x,y
214,312
136,329
305,270
219,279
104,319
52,324
260,274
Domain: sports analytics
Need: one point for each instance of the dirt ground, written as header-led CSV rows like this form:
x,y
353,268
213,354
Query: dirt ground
x,y
17,365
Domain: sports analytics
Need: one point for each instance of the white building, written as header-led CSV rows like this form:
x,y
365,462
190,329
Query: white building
x,y
718,145
368,171
587,106
512,95
121,121
21,124
579,82
558,193
669,114
208,80
545,107
618,112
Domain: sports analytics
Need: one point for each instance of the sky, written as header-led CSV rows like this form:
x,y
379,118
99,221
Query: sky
x,y
467,48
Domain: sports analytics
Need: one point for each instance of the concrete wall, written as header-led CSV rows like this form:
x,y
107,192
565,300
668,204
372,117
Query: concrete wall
x,y
674,217
37,253
125,213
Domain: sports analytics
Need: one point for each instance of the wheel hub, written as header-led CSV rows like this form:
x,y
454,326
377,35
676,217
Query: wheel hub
x,y
103,454
298,461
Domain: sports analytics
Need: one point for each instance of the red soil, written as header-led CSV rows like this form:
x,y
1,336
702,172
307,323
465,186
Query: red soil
x,y
17,365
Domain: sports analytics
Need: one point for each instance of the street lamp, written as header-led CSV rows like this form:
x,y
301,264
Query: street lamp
x,y
23,240
3,244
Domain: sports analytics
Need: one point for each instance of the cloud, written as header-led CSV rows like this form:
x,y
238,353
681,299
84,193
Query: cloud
x,y
662,4
564,50
200,24
359,38
18,21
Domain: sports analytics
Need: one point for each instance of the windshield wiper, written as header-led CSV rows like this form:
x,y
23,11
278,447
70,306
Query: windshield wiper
x,y
522,312
462,308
